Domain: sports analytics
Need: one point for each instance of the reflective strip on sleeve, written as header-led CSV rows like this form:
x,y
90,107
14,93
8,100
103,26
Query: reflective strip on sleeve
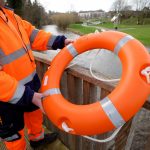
x,y
112,113
121,43
53,91
33,35
28,78
72,50
18,94
6,59
51,41
13,137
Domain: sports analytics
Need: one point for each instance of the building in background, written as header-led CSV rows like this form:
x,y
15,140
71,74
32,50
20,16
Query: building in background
x,y
92,14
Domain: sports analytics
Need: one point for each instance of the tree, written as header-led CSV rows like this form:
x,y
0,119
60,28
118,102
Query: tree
x,y
17,5
33,12
140,5
127,8
118,5
39,16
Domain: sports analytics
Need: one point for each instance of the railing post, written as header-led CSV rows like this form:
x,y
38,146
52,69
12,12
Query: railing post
x,y
121,139
101,146
78,100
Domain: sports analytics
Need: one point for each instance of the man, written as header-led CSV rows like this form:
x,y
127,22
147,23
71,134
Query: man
x,y
19,83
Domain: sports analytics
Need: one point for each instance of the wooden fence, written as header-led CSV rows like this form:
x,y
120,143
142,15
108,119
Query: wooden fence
x,y
80,87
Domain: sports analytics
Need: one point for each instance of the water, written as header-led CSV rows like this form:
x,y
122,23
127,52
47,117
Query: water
x,y
105,62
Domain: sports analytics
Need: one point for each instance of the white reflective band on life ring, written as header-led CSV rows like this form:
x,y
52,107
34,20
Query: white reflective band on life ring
x,y
45,81
53,91
112,112
121,43
72,50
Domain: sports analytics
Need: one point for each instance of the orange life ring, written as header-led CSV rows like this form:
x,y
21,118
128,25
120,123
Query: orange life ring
x,y
115,109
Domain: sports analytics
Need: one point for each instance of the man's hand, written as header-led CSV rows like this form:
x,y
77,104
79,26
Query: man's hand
x,y
68,41
37,100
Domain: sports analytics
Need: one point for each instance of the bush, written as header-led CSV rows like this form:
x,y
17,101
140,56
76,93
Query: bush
x,y
131,21
63,20
147,21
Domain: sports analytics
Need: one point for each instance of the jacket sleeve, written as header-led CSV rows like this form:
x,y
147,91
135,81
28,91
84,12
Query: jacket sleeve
x,y
41,40
13,92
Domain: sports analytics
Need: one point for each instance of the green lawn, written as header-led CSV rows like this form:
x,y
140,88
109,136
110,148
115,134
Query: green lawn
x,y
81,29
140,32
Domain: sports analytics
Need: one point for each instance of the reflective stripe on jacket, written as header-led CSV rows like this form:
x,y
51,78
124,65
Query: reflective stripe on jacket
x,y
16,58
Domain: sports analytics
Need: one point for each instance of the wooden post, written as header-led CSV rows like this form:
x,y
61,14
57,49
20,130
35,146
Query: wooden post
x,y
121,139
86,92
71,87
78,91
63,85
101,146
78,100
71,97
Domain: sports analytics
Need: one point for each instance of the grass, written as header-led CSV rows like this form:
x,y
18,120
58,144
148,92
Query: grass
x,y
81,29
140,32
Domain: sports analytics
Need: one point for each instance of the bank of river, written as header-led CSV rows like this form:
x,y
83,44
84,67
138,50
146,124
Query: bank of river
x,y
140,32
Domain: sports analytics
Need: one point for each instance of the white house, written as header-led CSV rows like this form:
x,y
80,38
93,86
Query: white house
x,y
92,14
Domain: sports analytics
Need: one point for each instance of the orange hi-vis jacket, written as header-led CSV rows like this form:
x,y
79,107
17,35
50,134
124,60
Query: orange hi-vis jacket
x,y
17,38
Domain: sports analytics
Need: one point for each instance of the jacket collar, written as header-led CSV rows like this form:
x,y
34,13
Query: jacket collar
x,y
6,7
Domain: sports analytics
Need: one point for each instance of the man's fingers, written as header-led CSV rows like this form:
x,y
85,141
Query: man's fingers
x,y
41,106
68,41
45,95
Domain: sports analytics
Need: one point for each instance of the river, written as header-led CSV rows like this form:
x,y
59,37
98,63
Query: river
x,y
105,61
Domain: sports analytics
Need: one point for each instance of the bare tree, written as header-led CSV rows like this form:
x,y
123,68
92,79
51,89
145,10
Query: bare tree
x,y
141,4
119,5
127,8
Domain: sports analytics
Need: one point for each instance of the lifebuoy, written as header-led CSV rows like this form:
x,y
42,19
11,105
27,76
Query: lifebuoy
x,y
115,109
